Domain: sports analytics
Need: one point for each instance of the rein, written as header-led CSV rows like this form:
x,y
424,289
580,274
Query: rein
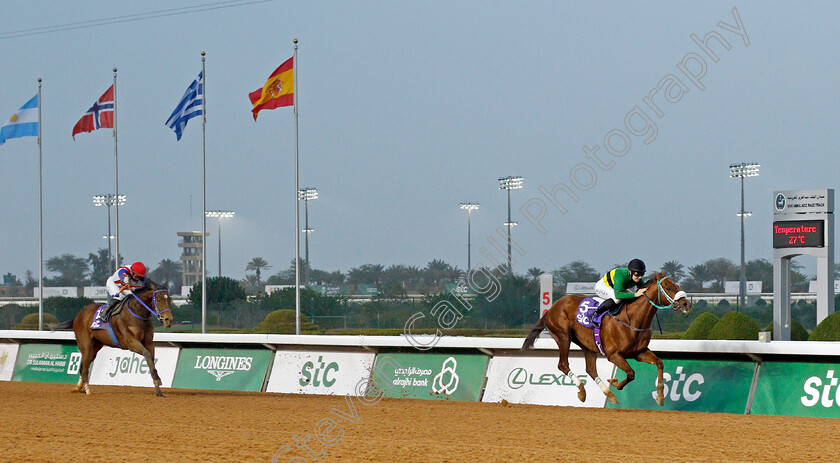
x,y
659,292
151,310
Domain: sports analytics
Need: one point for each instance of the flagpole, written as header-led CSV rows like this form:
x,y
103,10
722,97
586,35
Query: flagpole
x,y
203,198
297,201
116,181
40,223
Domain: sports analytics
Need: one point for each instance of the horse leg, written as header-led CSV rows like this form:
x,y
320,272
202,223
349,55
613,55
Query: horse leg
x,y
591,356
136,346
621,362
563,340
150,346
649,357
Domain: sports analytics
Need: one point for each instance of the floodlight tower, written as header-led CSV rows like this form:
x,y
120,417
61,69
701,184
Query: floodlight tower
x,y
220,215
510,183
307,194
742,171
469,207
109,200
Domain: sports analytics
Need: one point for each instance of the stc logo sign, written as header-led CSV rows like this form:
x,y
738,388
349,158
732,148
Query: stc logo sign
x,y
817,391
323,374
681,386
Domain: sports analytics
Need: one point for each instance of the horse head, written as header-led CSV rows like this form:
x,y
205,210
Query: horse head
x,y
663,292
157,301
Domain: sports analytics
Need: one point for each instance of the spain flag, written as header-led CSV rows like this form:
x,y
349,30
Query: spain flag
x,y
279,89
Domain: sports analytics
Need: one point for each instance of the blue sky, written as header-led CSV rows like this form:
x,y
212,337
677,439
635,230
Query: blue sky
x,y
408,109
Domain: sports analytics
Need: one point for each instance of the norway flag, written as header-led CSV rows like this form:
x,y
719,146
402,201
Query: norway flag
x,y
100,115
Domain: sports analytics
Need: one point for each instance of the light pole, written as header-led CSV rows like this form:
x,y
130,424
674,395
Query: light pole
x,y
469,207
510,183
307,194
109,200
742,171
219,215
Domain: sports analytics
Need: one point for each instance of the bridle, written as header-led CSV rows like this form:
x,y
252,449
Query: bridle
x,y
661,291
158,314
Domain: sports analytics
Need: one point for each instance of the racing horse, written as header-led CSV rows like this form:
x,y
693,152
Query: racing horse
x,y
132,329
625,335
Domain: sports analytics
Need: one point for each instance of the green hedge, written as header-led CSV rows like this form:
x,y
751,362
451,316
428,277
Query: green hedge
x,y
828,330
30,322
283,322
701,326
735,325
797,331
499,333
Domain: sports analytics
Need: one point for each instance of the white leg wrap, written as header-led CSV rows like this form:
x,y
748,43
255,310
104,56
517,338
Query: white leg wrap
x,y
603,385
574,378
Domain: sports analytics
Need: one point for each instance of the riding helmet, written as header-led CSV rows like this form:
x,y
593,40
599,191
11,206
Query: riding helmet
x,y
140,270
636,265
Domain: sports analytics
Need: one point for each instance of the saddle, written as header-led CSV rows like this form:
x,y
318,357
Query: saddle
x,y
586,316
96,324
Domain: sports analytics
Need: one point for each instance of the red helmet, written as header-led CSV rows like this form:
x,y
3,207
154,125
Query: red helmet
x,y
139,269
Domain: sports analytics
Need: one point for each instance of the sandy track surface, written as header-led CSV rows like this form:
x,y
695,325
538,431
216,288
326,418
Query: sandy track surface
x,y
45,422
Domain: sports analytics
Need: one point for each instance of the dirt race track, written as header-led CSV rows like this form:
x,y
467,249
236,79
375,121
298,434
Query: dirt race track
x,y
45,422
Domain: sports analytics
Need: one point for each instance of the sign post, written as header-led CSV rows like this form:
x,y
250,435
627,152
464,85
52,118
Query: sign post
x,y
803,223
546,292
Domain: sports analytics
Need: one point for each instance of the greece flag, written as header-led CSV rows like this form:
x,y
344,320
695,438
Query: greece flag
x,y
23,123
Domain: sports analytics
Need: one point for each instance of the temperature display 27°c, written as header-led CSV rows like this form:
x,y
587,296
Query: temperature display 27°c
x,y
799,234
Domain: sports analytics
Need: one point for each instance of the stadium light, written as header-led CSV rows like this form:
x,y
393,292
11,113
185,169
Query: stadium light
x,y
742,171
220,215
307,194
469,207
510,183
109,200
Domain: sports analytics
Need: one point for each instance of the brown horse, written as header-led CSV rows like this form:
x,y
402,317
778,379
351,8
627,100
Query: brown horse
x,y
623,336
132,326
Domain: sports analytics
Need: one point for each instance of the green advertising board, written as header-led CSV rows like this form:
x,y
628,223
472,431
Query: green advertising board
x,y
693,385
48,363
430,376
222,369
798,389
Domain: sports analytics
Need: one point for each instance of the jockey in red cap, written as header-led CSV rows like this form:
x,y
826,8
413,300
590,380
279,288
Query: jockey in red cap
x,y
119,286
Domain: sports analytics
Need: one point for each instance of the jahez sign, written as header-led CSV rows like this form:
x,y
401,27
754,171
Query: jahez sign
x,y
799,234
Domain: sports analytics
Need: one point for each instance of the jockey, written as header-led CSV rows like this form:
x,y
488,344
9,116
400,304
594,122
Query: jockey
x,y
119,286
617,282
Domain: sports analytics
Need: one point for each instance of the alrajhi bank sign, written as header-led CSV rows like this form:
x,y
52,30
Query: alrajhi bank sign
x,y
430,376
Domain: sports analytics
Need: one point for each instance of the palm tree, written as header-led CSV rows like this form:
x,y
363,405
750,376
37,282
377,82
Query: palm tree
x,y
700,273
674,269
168,271
535,273
71,270
256,265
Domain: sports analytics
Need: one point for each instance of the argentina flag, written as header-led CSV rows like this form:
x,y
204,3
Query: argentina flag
x,y
23,123
191,105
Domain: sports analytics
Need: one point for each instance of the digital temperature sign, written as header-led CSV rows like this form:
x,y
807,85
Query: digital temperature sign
x,y
799,234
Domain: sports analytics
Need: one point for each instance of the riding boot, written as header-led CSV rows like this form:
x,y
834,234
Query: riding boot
x,y
106,314
607,305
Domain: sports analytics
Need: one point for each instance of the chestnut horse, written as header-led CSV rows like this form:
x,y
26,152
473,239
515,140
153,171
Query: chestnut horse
x,y
132,326
623,336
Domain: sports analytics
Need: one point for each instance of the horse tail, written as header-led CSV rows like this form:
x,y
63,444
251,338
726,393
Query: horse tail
x,y
68,325
535,331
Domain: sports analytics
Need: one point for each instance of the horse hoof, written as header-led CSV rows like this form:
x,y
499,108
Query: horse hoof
x,y
613,382
661,401
614,400
582,396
